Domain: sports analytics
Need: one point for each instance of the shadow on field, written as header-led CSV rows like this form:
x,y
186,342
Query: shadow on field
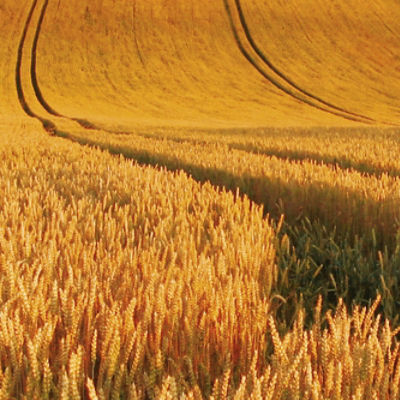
x,y
349,212
326,247
320,158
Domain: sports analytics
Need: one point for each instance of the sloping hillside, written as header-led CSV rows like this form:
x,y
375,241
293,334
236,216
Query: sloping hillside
x,y
210,63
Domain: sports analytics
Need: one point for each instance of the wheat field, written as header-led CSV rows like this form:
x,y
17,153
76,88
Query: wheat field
x,y
200,199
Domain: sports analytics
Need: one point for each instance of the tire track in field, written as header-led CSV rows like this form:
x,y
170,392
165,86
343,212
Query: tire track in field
x,y
270,65
288,86
274,81
34,80
47,125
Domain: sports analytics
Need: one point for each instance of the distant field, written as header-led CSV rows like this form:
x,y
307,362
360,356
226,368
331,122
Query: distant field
x,y
200,199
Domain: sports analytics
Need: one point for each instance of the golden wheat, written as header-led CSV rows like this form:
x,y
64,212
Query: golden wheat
x,y
367,150
348,199
109,269
119,280
124,281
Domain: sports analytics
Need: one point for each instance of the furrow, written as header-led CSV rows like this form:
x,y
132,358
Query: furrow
x,y
270,65
293,90
273,81
47,125
34,80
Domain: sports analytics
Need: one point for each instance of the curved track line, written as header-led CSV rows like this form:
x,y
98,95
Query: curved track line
x,y
275,82
270,65
299,96
47,125
34,80
18,78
